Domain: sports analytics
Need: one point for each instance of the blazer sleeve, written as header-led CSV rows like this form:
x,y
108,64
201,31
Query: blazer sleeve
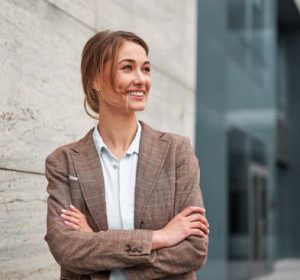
x,y
191,253
81,252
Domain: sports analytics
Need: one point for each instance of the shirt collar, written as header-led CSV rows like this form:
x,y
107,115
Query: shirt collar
x,y
135,144
133,148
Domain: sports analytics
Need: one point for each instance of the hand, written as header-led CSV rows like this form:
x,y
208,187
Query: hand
x,y
190,221
75,219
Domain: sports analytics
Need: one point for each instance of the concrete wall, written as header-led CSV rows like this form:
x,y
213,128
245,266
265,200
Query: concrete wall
x,y
41,100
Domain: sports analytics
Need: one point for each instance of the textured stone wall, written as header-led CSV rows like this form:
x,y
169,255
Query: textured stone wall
x,y
41,100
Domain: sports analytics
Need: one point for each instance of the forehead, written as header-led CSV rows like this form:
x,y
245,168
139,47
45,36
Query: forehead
x,y
131,50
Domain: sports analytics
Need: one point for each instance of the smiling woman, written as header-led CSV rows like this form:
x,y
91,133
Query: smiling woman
x,y
115,65
132,80
124,201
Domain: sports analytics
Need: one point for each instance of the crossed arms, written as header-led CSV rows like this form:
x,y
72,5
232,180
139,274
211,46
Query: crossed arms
x,y
88,252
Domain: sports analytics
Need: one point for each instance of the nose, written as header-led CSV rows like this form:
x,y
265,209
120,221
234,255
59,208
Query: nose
x,y
140,78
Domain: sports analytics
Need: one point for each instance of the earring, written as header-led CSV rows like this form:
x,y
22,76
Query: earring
x,y
96,93
96,89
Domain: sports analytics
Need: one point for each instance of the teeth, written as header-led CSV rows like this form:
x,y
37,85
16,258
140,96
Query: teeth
x,y
136,93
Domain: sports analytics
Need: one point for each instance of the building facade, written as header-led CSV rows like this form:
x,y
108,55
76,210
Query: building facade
x,y
247,133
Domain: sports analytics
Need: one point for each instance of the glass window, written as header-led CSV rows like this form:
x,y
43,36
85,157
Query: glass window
x,y
236,17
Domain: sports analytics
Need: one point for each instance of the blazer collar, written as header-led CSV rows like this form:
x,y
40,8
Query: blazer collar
x,y
153,149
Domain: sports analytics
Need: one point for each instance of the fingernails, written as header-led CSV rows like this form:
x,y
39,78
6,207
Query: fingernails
x,y
72,206
63,210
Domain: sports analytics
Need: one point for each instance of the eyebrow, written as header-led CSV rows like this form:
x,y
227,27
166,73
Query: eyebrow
x,y
132,61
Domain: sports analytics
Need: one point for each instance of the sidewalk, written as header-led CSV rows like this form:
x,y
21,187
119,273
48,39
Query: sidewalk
x,y
286,269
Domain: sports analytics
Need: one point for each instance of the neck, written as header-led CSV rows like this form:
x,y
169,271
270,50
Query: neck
x,y
117,130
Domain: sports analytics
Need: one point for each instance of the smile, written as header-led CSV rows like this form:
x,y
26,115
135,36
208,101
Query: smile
x,y
136,93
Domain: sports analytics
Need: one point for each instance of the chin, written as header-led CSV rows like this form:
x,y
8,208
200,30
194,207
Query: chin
x,y
137,107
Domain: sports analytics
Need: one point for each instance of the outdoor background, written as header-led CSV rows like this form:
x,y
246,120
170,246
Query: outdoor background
x,y
226,73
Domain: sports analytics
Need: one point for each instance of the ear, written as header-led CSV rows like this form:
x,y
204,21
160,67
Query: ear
x,y
96,89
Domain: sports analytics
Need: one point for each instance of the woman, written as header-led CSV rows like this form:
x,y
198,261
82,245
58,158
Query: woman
x,y
124,201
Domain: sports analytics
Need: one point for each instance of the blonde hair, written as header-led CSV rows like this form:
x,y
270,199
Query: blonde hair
x,y
98,50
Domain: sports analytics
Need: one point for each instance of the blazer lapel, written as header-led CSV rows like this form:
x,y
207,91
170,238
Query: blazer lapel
x,y
88,168
152,153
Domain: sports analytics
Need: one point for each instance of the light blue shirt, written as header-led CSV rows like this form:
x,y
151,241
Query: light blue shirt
x,y
119,180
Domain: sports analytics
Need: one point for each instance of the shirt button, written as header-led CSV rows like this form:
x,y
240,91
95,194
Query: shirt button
x,y
115,166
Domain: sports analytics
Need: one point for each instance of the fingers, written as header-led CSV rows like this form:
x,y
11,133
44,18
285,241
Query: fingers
x,y
74,226
75,219
201,226
200,222
75,210
197,232
71,213
70,219
72,216
192,209
197,217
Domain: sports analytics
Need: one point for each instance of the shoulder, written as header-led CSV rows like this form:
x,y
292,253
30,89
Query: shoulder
x,y
175,140
177,148
61,153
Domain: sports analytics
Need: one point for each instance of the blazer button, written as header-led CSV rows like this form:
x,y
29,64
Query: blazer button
x,y
140,249
137,249
134,249
127,248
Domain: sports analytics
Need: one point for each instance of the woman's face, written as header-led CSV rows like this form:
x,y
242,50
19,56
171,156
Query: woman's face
x,y
132,80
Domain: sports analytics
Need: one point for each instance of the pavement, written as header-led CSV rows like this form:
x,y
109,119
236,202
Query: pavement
x,y
285,269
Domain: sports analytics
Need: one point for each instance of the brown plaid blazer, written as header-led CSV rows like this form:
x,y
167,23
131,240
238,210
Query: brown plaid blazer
x,y
167,182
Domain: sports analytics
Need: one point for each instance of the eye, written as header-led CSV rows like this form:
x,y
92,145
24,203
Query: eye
x,y
127,67
147,69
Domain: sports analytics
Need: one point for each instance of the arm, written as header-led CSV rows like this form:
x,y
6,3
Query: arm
x,y
87,252
191,253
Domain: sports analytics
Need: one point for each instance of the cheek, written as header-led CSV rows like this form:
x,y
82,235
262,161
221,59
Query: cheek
x,y
109,95
122,81
149,84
